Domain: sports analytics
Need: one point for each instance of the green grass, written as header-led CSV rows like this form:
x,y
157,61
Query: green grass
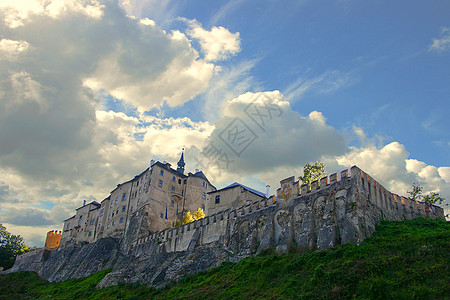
x,y
402,260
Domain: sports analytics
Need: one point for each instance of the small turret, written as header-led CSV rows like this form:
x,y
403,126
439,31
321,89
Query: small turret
x,y
181,164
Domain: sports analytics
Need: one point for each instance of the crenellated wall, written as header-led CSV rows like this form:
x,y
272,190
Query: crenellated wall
x,y
336,209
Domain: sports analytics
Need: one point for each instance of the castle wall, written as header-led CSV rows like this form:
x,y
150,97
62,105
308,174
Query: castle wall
x,y
335,210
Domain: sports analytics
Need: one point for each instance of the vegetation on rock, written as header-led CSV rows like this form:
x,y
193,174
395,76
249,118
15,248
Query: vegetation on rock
x,y
10,246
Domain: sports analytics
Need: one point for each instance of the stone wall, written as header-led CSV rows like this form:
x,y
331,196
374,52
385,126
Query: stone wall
x,y
332,212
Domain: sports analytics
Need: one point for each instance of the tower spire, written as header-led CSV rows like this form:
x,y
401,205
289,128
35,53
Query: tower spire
x,y
181,164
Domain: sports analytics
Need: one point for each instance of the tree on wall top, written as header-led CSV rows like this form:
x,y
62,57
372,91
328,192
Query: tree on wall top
x,y
188,218
199,214
312,172
415,193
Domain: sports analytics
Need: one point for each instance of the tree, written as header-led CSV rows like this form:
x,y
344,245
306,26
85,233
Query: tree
x,y
188,218
10,246
199,214
433,198
312,172
415,193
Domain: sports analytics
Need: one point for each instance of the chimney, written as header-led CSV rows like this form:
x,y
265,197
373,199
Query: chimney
x,y
267,191
84,202
152,162
196,170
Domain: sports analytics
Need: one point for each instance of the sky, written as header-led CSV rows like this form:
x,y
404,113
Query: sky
x,y
91,91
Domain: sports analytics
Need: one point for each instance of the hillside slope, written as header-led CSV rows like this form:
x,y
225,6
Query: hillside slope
x,y
402,260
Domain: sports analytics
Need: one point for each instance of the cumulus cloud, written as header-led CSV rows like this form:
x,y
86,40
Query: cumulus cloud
x,y
443,43
218,43
259,132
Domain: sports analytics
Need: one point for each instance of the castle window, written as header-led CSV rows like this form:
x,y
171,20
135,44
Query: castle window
x,y
173,189
123,208
151,171
204,196
132,195
173,178
142,179
101,212
162,216
115,201
121,220
90,233
203,207
131,209
145,186
217,199
179,181
160,183
162,172
184,181
140,190
92,222
203,184
68,225
117,211
137,183
123,196
79,222
146,175
113,223
108,226
109,216
172,202
112,215
111,204
139,200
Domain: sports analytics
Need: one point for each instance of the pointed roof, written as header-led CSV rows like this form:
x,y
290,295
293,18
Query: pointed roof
x,y
182,157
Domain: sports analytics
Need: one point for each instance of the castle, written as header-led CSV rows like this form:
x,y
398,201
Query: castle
x,y
132,230
164,193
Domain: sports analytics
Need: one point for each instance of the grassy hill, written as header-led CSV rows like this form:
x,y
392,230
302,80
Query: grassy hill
x,y
402,260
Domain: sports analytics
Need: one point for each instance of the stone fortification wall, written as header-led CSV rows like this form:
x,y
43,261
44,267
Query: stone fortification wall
x,y
331,212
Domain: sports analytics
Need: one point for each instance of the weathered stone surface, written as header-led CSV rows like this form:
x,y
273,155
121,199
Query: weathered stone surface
x,y
344,211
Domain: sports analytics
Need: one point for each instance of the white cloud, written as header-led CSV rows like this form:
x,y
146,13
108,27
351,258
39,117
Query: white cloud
x,y
326,83
18,12
272,138
443,43
218,43
391,166
11,50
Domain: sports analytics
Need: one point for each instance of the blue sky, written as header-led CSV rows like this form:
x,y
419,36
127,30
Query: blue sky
x,y
90,91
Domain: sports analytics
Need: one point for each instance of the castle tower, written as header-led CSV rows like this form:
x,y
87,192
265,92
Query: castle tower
x,y
53,239
181,164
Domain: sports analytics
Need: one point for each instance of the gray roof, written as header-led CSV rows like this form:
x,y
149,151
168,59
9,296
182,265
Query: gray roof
x,y
236,184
